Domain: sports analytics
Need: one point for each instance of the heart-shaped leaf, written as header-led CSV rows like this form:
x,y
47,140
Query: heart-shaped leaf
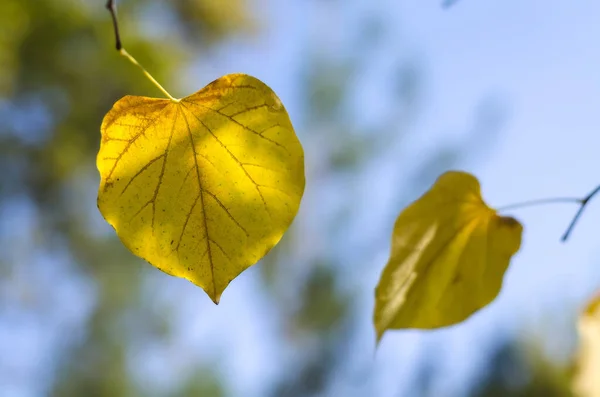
x,y
202,187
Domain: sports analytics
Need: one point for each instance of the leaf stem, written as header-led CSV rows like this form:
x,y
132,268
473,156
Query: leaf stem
x,y
554,200
111,7
583,202
123,52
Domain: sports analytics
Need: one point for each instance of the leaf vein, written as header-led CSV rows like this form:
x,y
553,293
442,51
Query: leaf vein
x,y
227,211
245,127
142,132
234,158
210,258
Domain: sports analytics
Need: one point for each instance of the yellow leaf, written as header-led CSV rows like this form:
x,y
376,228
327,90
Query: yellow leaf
x,y
448,257
587,377
204,187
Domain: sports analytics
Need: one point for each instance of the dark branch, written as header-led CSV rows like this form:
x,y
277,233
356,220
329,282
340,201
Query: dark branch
x,y
584,203
112,8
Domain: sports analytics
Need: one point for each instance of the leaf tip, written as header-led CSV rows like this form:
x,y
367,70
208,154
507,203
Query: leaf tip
x,y
378,337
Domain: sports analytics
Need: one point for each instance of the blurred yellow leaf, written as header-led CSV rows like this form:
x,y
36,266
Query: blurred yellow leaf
x,y
204,187
587,377
448,257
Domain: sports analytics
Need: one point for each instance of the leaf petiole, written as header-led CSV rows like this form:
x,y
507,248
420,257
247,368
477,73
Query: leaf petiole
x,y
533,203
110,6
581,201
123,52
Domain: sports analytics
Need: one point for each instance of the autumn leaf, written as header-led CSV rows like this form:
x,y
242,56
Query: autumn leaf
x,y
587,375
202,187
448,257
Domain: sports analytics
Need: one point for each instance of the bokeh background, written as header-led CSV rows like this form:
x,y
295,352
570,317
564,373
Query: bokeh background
x,y
385,95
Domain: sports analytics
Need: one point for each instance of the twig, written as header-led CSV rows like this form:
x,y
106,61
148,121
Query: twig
x,y
583,203
112,8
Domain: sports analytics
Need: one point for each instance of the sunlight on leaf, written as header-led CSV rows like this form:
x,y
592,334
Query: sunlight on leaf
x,y
448,257
587,377
204,187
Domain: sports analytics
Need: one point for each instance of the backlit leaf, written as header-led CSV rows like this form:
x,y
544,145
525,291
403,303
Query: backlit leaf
x,y
587,376
204,187
448,257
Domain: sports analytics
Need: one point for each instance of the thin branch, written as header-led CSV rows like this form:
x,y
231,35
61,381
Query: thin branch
x,y
112,8
584,203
